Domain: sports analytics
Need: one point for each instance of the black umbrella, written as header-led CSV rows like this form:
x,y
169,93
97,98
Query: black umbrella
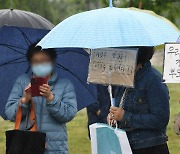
x,y
20,18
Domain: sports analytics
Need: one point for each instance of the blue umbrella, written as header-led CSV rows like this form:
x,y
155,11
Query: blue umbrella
x,y
178,40
72,63
111,27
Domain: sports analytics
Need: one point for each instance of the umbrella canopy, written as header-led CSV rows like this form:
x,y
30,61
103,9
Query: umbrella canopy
x,y
20,18
111,27
178,40
72,63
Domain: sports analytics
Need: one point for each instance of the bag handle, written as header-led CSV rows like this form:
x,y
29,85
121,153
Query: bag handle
x,y
32,118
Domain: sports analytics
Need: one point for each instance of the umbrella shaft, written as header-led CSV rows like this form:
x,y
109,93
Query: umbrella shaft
x,y
110,3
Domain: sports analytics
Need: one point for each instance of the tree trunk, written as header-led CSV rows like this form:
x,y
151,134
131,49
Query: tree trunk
x,y
140,5
88,4
97,3
131,3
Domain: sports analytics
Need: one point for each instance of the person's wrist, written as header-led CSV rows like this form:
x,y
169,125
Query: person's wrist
x,y
121,115
50,98
24,100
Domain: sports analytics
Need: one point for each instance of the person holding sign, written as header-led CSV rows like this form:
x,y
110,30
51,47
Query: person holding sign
x,y
143,111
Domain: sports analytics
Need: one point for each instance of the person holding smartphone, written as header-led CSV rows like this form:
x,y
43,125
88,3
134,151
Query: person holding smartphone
x,y
55,103
143,111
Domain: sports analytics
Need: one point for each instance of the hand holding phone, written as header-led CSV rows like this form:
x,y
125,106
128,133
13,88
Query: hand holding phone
x,y
36,82
45,91
27,95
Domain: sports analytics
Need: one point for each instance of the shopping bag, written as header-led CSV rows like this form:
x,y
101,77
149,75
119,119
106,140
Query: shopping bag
x,y
108,140
24,141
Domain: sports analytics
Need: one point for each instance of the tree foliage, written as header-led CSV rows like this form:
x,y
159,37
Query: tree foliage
x,y
58,10
167,8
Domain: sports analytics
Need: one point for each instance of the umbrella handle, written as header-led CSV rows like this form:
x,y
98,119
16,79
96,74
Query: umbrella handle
x,y
111,96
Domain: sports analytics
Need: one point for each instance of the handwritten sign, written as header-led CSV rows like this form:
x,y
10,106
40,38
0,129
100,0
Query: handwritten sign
x,y
112,66
171,72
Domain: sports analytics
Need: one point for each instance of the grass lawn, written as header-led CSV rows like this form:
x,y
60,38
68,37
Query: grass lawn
x,y
77,129
174,140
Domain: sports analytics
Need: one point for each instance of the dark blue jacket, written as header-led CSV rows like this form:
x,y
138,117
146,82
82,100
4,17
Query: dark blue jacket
x,y
146,109
103,104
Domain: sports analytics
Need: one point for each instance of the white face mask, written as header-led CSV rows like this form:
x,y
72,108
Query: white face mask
x,y
42,70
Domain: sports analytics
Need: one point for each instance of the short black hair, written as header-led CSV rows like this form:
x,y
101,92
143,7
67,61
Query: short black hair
x,y
33,49
144,54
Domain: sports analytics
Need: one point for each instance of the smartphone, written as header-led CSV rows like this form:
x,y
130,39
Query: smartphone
x,y
35,83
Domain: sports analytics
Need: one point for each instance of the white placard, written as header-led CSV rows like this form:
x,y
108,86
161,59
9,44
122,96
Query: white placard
x,y
171,73
112,66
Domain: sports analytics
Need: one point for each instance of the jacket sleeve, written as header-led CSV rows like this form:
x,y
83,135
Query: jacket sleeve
x,y
94,107
158,100
13,100
64,109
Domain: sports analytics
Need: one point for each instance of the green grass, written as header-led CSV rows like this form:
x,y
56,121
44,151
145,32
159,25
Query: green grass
x,y
174,140
4,125
78,135
77,129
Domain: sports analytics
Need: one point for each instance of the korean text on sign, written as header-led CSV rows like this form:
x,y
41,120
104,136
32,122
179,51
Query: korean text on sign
x,y
112,66
171,73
